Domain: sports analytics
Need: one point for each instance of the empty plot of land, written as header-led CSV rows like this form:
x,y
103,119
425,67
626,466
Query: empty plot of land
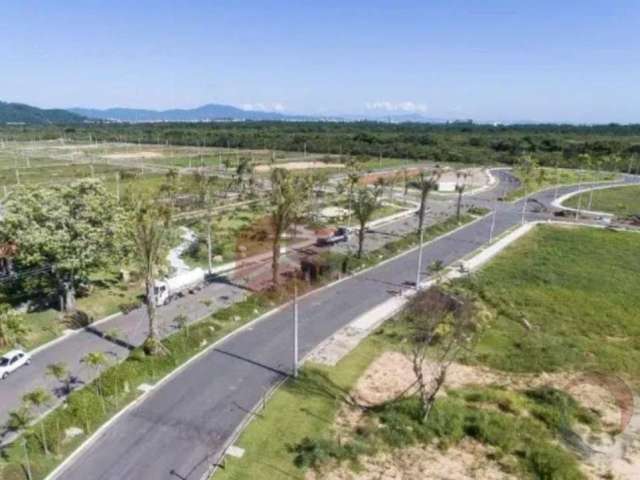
x,y
298,166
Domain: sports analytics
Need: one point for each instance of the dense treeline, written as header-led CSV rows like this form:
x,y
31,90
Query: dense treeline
x,y
455,142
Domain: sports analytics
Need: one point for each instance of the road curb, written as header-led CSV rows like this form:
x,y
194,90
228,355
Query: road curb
x,y
557,203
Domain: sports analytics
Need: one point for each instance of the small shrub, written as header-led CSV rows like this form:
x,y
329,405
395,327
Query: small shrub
x,y
548,462
78,319
128,307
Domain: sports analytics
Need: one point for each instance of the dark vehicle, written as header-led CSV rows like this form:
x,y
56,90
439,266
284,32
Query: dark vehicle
x,y
338,235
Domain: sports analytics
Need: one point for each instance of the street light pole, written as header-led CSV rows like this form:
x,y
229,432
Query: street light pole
x,y
419,260
493,219
295,331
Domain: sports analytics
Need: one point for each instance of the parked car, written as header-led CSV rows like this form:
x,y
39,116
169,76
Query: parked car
x,y
338,235
13,360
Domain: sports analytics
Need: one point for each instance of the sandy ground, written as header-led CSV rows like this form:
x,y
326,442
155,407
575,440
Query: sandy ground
x,y
477,176
465,461
134,155
297,166
391,375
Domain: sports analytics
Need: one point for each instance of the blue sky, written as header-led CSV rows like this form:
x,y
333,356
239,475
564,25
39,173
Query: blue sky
x,y
489,60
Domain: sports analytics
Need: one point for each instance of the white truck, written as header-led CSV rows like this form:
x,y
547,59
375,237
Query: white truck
x,y
169,288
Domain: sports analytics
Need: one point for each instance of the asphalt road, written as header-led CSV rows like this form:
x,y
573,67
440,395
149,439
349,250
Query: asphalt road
x,y
180,429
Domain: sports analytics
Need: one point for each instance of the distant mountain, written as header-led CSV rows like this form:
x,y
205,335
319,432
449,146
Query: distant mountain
x,y
21,113
211,112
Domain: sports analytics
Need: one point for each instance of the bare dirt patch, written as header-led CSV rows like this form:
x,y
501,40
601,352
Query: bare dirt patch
x,y
391,376
133,155
297,166
465,461
477,176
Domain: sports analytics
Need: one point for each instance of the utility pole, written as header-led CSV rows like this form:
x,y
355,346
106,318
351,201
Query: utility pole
x,y
295,331
555,193
524,205
418,273
493,219
118,186
579,194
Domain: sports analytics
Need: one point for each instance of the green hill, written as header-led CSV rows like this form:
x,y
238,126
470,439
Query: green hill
x,y
21,113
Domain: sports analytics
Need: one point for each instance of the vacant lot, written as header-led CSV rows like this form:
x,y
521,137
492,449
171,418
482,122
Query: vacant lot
x,y
577,288
620,201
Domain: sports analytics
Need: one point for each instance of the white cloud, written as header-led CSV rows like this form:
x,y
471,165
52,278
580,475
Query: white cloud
x,y
264,107
388,106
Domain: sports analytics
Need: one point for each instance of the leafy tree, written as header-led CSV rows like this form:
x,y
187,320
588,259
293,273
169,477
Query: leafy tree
x,y
366,202
68,231
13,331
288,194
150,231
441,325
425,184
39,398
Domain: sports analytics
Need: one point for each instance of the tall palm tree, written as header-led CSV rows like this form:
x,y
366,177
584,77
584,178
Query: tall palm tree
x,y
288,194
37,399
150,229
97,361
19,421
364,205
426,182
461,185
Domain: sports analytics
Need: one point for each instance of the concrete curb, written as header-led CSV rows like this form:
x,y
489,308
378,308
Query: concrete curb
x,y
70,333
557,203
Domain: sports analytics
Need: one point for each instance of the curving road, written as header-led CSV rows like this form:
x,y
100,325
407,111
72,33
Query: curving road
x,y
182,427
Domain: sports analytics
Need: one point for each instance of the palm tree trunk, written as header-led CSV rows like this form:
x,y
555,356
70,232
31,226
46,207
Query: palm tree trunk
x,y
44,439
360,240
275,260
209,246
151,314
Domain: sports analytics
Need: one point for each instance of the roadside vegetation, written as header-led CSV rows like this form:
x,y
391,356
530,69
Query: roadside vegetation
x,y
459,142
550,310
621,202
581,316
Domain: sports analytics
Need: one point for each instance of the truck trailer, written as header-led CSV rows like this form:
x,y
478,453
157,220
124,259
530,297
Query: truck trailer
x,y
169,288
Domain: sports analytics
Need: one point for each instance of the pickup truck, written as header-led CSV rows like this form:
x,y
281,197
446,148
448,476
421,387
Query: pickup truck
x,y
338,235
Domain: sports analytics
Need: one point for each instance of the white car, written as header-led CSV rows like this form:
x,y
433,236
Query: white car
x,y
13,360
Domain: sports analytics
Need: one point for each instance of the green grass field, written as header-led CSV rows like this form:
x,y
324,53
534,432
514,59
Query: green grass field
x,y
578,288
546,177
620,201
